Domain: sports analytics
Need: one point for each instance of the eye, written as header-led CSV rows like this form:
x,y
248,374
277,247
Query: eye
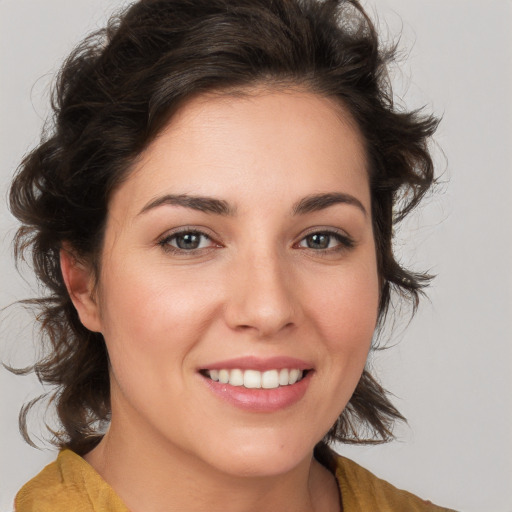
x,y
326,241
186,241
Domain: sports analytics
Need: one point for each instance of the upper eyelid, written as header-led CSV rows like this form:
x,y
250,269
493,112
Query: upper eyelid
x,y
324,229
187,232
328,230
184,230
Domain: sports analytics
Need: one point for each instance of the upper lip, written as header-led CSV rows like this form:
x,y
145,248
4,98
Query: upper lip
x,y
260,364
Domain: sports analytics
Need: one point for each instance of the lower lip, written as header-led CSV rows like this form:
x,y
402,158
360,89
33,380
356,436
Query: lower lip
x,y
261,400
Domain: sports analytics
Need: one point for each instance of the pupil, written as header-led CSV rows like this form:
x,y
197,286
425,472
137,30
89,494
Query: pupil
x,y
188,241
318,241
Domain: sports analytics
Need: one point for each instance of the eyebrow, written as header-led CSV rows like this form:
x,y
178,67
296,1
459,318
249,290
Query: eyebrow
x,y
316,202
308,204
202,204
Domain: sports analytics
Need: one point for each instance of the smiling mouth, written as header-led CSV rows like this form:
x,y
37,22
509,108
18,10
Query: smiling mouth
x,y
254,379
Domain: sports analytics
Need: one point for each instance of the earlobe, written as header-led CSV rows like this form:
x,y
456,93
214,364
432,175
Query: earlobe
x,y
79,280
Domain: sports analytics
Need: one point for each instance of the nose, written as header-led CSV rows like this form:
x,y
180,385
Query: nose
x,y
261,295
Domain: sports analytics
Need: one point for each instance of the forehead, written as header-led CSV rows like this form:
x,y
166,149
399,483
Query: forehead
x,y
280,143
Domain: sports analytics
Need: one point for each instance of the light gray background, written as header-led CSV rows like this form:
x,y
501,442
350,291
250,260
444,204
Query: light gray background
x,y
452,370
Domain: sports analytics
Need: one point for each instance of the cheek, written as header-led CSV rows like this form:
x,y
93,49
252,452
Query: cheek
x,y
347,307
150,325
346,316
144,314
346,320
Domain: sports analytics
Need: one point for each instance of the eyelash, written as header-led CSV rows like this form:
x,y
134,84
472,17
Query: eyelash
x,y
165,242
344,242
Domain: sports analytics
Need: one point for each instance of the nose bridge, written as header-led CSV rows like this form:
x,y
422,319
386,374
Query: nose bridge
x,y
261,296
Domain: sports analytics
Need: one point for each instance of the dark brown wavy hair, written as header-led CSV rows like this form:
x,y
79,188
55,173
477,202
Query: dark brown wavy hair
x,y
114,94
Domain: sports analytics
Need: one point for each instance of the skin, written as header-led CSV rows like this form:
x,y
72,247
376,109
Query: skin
x,y
256,285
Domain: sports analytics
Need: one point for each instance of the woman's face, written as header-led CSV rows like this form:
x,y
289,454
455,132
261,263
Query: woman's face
x,y
238,254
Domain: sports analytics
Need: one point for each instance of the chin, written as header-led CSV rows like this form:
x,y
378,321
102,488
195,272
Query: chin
x,y
263,458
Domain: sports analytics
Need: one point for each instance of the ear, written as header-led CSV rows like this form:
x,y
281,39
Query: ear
x,y
80,280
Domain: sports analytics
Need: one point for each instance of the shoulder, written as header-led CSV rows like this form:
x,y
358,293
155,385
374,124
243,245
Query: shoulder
x,y
361,491
68,483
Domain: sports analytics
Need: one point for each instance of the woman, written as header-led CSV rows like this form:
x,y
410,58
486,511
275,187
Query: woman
x,y
212,215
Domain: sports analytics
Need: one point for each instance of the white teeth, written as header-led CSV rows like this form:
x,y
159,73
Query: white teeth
x,y
253,379
270,379
236,378
294,376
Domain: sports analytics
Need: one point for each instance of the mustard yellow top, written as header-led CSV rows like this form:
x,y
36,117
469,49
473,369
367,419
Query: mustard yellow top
x,y
70,484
